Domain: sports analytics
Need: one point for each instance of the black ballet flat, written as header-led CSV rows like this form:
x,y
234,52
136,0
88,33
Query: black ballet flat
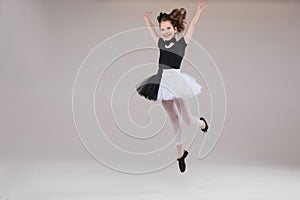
x,y
181,162
206,125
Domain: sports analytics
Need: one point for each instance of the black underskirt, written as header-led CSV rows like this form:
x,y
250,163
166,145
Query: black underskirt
x,y
148,88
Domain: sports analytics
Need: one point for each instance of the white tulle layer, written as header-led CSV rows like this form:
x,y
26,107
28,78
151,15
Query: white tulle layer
x,y
176,84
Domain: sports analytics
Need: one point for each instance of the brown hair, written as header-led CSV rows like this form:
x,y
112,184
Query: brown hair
x,y
176,16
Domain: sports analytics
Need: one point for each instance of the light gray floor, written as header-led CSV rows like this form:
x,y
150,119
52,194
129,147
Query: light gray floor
x,y
67,180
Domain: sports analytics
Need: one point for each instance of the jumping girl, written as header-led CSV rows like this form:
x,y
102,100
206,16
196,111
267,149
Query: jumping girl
x,y
169,85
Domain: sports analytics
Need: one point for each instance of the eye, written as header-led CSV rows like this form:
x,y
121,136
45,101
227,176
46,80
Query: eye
x,y
169,28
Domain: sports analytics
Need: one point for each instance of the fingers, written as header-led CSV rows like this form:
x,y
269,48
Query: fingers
x,y
147,13
201,5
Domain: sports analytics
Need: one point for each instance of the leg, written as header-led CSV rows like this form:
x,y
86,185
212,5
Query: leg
x,y
184,110
170,108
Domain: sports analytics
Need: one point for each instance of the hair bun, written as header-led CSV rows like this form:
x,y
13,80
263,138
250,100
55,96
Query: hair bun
x,y
178,17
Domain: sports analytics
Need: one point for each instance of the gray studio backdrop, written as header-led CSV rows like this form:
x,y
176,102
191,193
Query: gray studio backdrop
x,y
255,45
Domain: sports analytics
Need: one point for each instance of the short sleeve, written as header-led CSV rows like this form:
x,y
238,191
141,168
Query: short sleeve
x,y
159,42
183,41
180,38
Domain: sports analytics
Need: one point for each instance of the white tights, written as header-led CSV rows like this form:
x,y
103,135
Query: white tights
x,y
182,110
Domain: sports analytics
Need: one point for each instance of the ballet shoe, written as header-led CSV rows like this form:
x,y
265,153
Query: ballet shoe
x,y
181,162
206,125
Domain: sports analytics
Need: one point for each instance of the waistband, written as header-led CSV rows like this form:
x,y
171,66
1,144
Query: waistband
x,y
171,70
165,68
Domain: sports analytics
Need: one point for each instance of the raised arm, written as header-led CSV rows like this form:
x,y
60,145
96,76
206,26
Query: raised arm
x,y
151,26
191,27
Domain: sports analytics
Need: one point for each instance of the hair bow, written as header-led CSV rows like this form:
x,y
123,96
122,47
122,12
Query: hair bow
x,y
161,14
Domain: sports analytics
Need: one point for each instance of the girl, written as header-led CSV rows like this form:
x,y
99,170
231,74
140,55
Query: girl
x,y
169,85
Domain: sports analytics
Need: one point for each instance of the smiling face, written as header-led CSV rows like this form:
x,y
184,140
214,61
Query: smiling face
x,y
167,30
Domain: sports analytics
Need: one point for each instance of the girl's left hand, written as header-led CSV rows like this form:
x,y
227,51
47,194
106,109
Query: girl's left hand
x,y
201,5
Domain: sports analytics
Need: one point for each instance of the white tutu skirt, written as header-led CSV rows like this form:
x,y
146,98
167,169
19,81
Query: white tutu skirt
x,y
176,84
168,84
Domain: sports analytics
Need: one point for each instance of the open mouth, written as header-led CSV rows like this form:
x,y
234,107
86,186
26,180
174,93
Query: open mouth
x,y
167,35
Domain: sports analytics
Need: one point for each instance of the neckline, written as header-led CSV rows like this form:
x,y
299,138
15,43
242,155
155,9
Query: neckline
x,y
173,44
170,46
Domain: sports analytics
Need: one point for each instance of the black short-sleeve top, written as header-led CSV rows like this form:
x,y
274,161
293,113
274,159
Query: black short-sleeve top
x,y
172,56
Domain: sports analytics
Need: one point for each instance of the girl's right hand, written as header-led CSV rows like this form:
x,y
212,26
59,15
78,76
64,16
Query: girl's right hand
x,y
147,13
